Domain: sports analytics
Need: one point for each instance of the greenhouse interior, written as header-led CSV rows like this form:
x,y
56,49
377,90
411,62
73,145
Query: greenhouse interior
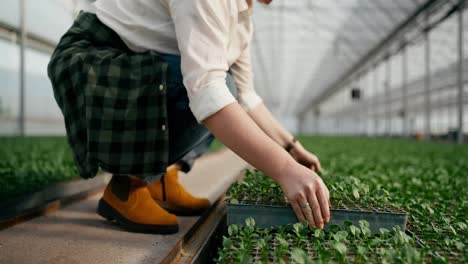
x,y
119,143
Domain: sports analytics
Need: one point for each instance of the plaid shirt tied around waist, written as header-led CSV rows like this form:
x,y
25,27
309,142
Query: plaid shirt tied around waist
x,y
113,101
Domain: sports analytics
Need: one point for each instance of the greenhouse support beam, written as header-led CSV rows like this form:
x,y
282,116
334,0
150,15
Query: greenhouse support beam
x,y
374,104
359,103
317,121
337,125
22,74
427,86
404,67
460,133
388,78
369,104
301,121
13,35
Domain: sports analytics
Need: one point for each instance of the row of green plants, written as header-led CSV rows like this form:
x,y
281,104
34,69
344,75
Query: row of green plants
x,y
427,180
300,244
350,193
31,163
255,188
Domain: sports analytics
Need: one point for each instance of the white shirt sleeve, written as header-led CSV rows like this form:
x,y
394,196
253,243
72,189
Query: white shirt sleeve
x,y
242,73
202,30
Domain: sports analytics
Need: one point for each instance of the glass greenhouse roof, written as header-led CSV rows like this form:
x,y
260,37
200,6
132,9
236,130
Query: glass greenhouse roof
x,y
301,47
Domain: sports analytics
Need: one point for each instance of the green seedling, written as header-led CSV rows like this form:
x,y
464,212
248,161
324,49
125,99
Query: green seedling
x,y
427,180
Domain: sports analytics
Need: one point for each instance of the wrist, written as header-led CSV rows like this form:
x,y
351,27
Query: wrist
x,y
292,146
286,166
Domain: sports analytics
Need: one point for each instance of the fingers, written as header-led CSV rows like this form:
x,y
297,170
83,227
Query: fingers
x,y
309,216
327,195
306,210
313,167
318,165
298,211
308,195
314,163
316,210
323,200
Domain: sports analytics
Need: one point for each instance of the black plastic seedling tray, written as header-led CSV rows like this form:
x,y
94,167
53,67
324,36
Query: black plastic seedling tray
x,y
276,215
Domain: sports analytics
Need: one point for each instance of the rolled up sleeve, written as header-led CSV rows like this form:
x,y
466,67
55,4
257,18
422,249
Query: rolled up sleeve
x,y
243,76
202,30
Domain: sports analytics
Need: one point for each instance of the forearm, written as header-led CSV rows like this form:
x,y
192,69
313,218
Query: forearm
x,y
234,128
304,189
265,120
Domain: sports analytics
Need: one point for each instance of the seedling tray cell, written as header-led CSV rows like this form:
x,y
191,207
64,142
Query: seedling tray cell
x,y
273,215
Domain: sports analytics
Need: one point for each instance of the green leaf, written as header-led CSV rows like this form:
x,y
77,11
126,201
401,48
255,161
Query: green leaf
x,y
356,194
365,230
341,248
354,230
453,230
384,232
340,236
363,223
362,250
227,243
376,242
462,226
318,233
299,256
233,230
447,242
282,242
297,228
261,243
250,222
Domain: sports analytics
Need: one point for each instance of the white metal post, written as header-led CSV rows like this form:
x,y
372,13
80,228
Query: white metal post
x,y
300,121
366,95
337,125
367,104
388,77
358,103
460,76
317,121
405,89
427,86
22,75
362,108
374,104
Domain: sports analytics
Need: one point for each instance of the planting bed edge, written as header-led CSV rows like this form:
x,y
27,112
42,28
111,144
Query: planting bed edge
x,y
17,206
272,215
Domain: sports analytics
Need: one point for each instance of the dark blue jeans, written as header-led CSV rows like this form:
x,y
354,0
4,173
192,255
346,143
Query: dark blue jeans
x,y
187,138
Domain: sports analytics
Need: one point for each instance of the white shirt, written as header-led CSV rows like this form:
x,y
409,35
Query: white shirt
x,y
211,36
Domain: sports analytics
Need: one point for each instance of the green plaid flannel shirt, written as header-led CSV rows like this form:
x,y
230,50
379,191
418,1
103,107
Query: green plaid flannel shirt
x,y
113,101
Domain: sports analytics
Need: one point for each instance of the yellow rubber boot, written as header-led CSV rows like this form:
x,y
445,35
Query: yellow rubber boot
x,y
128,202
172,196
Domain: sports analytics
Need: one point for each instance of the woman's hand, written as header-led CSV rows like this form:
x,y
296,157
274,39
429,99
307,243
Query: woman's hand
x,y
308,195
304,189
304,157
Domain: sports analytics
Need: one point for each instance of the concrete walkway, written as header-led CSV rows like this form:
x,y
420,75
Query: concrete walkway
x,y
76,234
